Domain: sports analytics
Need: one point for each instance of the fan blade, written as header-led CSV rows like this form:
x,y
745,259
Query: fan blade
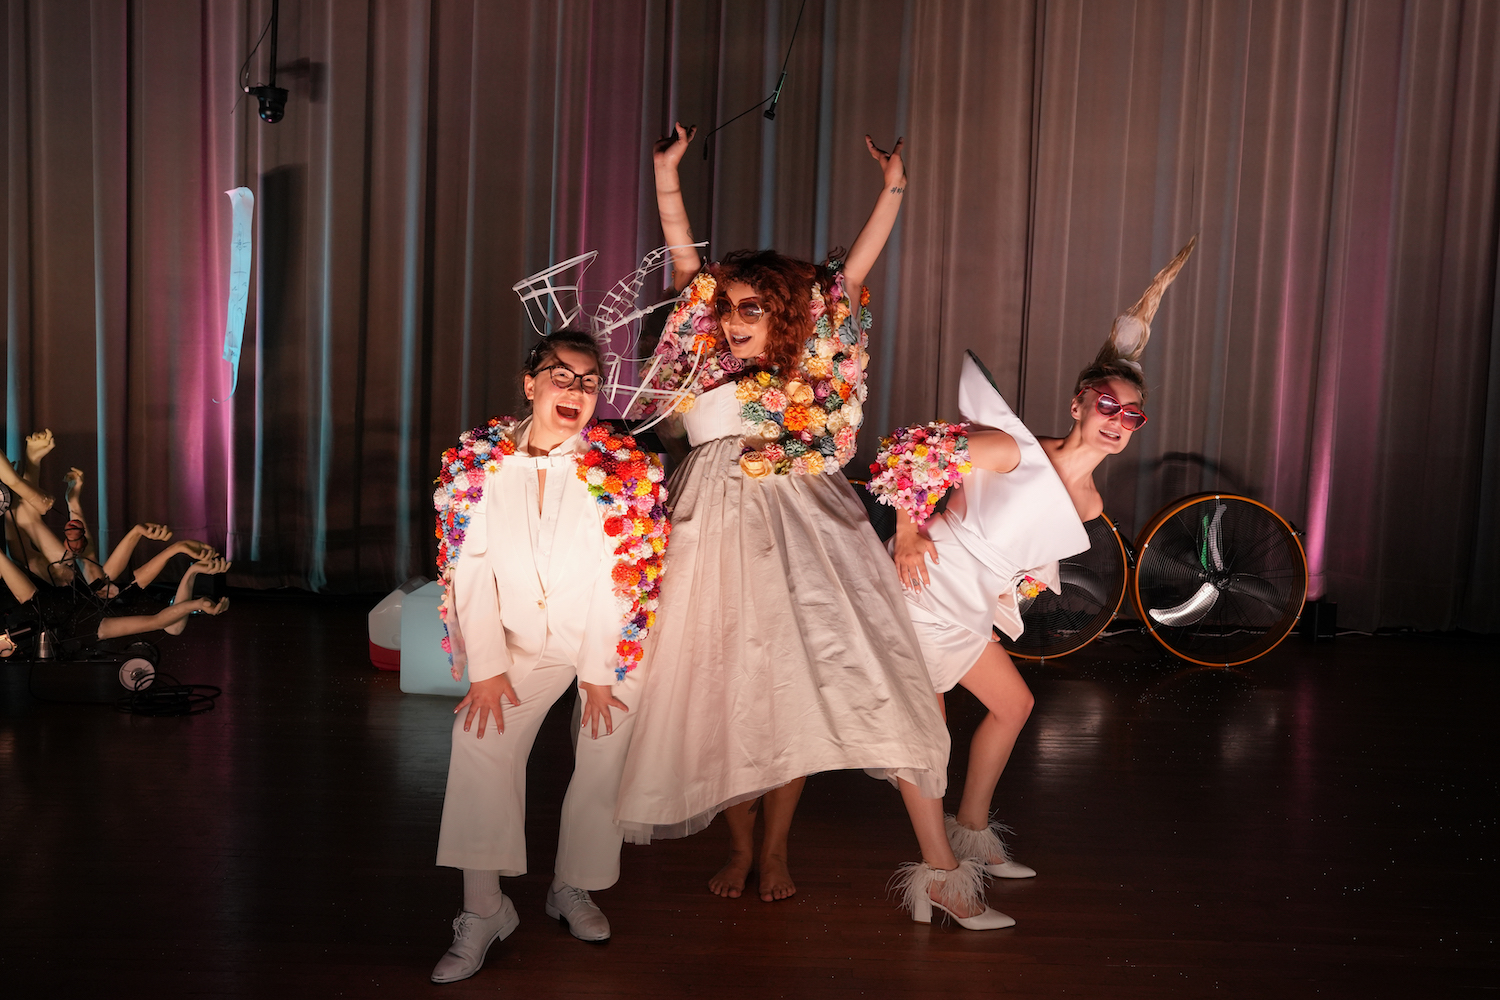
x,y
1190,611
1253,586
1085,579
1215,536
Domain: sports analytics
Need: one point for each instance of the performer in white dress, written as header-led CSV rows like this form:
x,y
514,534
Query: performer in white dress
x,y
552,534
784,648
1016,506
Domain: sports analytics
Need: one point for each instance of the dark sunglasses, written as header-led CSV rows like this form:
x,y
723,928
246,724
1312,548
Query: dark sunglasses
x,y
749,309
563,377
1131,417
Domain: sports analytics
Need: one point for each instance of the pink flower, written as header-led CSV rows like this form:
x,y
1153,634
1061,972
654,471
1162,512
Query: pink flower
x,y
704,322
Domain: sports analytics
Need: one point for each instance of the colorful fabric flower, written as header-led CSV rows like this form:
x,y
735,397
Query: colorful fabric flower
x,y
917,465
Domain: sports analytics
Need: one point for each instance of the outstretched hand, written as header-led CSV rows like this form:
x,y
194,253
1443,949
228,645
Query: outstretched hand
x,y
669,149
891,166
155,532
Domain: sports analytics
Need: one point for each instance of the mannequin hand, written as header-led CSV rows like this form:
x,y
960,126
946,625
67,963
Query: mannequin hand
x,y
483,699
892,169
599,699
155,532
913,549
667,152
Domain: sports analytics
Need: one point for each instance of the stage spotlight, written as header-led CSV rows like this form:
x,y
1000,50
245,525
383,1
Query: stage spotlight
x,y
272,102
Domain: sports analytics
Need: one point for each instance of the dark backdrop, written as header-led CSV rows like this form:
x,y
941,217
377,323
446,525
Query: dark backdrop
x,y
1329,349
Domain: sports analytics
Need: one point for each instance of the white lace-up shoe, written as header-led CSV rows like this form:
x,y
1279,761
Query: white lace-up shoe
x,y
472,937
585,920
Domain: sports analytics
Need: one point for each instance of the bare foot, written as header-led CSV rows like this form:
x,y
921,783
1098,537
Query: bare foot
x,y
72,484
38,447
730,880
775,879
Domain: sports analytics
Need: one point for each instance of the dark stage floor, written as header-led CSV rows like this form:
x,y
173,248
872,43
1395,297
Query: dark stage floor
x,y
1320,824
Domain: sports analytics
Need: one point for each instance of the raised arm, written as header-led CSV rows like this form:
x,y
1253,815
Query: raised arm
x,y
665,156
877,230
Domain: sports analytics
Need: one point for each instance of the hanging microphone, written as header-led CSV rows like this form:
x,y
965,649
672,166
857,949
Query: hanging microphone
x,y
776,96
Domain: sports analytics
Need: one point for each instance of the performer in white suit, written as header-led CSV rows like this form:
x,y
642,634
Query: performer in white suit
x,y
552,535
1016,506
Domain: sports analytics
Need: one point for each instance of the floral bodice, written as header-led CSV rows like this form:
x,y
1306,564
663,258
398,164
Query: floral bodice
x,y
802,422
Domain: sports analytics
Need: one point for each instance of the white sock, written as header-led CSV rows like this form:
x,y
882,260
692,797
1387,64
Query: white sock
x,y
482,892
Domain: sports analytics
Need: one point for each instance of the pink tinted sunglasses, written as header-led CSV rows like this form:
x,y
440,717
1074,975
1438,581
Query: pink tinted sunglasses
x,y
1131,417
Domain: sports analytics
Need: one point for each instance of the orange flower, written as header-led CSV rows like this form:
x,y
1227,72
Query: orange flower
x,y
795,418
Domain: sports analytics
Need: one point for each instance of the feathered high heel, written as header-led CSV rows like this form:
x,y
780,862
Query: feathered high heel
x,y
983,845
962,887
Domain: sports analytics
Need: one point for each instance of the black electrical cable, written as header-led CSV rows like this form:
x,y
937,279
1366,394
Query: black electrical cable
x,y
243,77
775,94
169,699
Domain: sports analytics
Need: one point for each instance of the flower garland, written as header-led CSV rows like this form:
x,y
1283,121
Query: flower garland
x,y
627,483
917,465
1030,587
624,480
804,424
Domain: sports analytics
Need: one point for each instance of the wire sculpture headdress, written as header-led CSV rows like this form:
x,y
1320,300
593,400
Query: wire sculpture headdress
x,y
553,301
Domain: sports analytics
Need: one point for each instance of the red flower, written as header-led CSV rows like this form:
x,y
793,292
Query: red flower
x,y
613,526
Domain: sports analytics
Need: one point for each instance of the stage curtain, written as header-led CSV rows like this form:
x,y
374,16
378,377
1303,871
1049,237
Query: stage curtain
x,y
1331,348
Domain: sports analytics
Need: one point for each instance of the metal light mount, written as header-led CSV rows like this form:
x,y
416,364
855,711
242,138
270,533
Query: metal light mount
x,y
271,97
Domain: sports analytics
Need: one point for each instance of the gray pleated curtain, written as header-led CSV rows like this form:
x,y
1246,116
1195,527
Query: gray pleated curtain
x,y
1330,349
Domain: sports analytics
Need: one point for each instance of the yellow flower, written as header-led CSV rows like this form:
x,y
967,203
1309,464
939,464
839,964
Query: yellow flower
x,y
686,402
755,465
764,378
920,451
814,463
643,487
746,390
965,467
817,419
933,498
799,392
893,461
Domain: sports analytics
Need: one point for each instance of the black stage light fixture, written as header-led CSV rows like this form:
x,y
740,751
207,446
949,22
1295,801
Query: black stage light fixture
x,y
271,97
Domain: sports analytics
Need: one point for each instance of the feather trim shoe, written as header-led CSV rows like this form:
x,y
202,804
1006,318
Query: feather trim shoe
x,y
983,845
472,937
961,890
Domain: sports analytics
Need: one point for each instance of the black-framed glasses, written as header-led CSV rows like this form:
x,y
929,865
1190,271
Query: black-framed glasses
x,y
564,378
1131,417
749,309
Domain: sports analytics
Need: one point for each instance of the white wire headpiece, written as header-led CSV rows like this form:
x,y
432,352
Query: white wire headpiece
x,y
615,324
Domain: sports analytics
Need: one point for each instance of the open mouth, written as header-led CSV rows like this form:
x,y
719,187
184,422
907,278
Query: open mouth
x,y
569,413
739,341
1109,435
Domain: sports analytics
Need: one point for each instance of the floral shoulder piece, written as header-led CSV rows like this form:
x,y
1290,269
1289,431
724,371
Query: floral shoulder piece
x,y
691,356
916,465
806,424
625,481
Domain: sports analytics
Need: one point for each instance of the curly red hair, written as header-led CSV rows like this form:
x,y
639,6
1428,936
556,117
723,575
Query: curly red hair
x,y
784,286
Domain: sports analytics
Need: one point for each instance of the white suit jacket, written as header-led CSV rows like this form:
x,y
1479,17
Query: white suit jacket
x,y
505,610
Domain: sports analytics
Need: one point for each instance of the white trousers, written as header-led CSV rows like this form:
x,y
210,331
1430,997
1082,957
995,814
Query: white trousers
x,y
484,811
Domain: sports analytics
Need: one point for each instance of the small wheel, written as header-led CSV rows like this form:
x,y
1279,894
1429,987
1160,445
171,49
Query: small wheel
x,y
137,673
1093,586
1219,579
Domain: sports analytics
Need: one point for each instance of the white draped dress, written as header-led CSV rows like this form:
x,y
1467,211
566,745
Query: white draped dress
x,y
782,646
998,529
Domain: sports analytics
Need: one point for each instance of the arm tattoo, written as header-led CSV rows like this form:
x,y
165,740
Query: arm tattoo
x,y
898,190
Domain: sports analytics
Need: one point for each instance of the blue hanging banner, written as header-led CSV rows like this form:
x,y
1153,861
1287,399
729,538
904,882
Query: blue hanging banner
x,y
243,200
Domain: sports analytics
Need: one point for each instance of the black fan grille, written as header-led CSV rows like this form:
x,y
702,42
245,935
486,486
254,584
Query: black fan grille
x,y
1093,582
1260,579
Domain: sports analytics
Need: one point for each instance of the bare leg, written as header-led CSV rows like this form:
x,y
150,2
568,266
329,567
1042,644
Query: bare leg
x,y
209,565
27,494
996,682
932,836
73,493
38,447
730,880
780,804
113,628
45,554
21,587
119,559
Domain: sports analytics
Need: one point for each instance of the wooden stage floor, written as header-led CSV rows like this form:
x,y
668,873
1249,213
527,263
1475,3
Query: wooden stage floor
x,y
1322,823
